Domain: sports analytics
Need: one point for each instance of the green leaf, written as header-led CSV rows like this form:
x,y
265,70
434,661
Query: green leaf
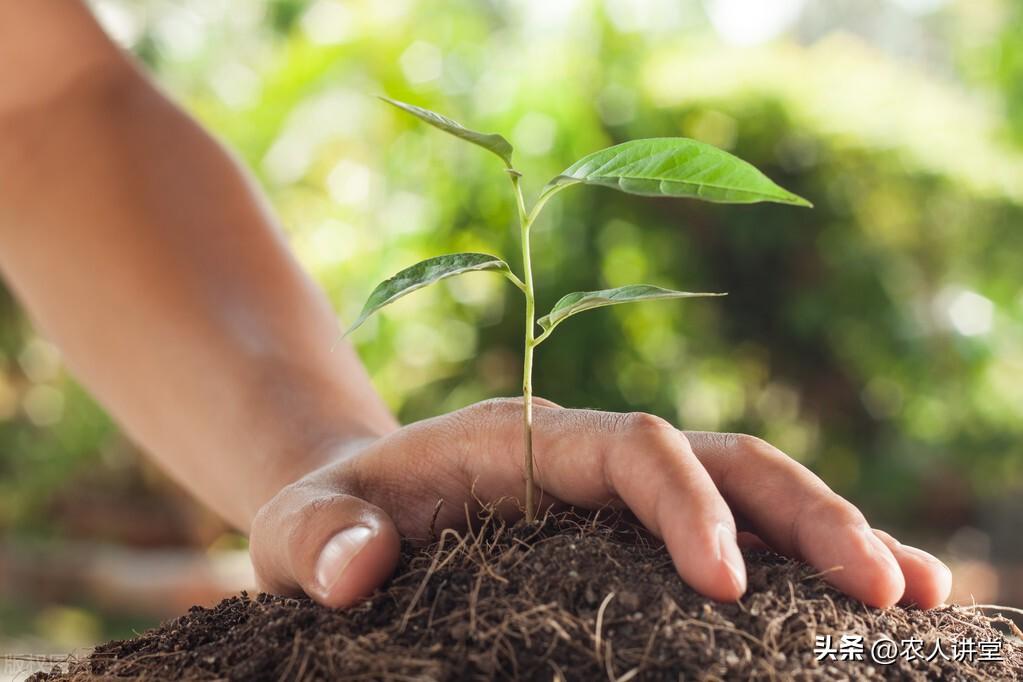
x,y
676,167
423,274
578,301
491,141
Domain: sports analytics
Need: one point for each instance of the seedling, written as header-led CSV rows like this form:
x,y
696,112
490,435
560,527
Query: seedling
x,y
660,167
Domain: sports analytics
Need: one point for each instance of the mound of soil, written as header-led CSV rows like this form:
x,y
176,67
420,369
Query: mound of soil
x,y
570,599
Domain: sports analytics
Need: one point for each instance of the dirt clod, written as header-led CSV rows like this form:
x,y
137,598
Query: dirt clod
x,y
571,599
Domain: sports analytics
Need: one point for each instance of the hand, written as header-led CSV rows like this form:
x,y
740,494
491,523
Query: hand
x,y
334,534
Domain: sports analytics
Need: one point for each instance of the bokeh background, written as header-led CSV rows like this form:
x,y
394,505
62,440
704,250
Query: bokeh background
x,y
878,338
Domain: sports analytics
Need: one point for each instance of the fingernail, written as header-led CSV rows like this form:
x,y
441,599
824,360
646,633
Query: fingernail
x,y
337,554
731,557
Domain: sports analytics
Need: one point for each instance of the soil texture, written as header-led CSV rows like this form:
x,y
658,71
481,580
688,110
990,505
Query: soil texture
x,y
574,598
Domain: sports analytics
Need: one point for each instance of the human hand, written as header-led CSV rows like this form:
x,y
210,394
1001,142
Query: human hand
x,y
334,534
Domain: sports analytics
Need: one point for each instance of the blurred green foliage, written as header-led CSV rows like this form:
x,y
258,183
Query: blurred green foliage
x,y
878,337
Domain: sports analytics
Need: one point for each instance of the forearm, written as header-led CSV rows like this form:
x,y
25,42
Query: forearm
x,y
46,47
140,248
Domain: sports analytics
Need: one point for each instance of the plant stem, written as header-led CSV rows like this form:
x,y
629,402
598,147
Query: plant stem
x,y
525,222
527,413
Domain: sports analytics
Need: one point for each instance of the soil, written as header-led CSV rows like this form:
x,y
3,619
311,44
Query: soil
x,y
575,598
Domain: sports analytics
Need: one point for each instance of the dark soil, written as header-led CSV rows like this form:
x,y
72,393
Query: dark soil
x,y
570,600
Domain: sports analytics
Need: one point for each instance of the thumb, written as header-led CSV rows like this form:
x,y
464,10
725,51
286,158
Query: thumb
x,y
334,547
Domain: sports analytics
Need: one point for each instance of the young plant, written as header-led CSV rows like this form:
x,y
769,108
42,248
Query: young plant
x,y
660,167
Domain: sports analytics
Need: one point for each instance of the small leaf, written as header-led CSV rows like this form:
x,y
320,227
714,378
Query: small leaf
x,y
676,167
423,274
578,301
492,141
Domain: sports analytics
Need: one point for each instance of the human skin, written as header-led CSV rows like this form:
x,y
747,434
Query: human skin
x,y
142,249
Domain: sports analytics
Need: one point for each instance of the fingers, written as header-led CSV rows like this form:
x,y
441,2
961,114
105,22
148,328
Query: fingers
x,y
589,458
751,541
321,539
928,581
797,514
334,547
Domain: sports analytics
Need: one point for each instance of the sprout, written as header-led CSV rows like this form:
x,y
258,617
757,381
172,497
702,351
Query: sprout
x,y
659,167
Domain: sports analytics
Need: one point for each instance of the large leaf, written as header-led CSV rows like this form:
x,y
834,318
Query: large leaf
x,y
676,167
578,301
423,274
491,141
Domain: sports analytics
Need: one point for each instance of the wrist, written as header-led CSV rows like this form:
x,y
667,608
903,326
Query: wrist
x,y
309,421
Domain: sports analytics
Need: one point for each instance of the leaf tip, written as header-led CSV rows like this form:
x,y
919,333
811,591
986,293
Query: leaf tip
x,y
355,325
797,200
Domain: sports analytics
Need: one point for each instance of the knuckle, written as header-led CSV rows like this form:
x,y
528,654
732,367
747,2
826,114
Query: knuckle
x,y
752,444
836,509
307,513
747,446
479,424
485,411
500,405
287,513
474,437
650,427
268,519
